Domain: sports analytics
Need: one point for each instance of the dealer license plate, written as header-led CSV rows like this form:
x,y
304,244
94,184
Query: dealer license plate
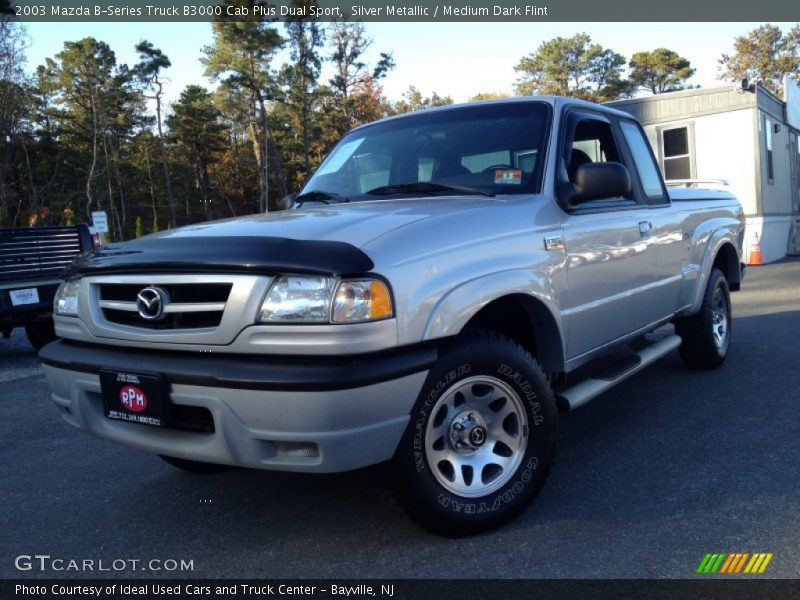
x,y
135,397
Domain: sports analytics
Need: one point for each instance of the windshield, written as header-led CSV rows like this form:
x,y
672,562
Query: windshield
x,y
488,149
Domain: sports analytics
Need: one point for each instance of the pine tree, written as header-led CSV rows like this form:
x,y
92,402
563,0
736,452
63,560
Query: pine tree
x,y
241,57
660,71
572,67
766,55
148,73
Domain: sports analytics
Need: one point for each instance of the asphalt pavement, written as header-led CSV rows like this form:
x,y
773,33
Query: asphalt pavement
x,y
651,476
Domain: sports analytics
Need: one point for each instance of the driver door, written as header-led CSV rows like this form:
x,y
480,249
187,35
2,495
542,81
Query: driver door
x,y
610,265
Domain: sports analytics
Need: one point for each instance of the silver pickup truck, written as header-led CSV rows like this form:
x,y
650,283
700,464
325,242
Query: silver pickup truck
x,y
444,285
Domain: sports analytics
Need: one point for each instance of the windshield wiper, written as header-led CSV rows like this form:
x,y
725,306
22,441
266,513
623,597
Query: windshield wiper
x,y
425,187
320,196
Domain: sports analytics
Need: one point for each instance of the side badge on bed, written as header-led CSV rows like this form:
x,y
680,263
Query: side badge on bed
x,y
554,242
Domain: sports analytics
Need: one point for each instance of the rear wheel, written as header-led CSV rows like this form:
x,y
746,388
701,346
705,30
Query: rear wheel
x,y
40,333
194,466
706,336
480,441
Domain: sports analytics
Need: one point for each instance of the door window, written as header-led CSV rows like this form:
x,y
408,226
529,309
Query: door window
x,y
593,142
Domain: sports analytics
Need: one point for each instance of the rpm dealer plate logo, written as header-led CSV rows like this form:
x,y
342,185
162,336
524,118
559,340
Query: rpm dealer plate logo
x,y
132,398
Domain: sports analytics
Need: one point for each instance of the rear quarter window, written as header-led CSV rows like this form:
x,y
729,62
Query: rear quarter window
x,y
643,159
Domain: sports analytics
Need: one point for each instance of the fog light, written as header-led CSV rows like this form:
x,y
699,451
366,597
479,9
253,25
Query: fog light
x,y
296,449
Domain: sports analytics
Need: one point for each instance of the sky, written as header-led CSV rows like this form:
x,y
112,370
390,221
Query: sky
x,y
454,59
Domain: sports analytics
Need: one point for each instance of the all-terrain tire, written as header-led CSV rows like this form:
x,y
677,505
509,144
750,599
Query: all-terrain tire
x,y
480,441
706,336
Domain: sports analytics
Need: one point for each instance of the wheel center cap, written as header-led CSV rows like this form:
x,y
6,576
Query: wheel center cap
x,y
477,435
467,432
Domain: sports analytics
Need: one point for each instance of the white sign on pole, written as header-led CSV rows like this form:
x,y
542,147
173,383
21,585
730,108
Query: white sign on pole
x,y
100,221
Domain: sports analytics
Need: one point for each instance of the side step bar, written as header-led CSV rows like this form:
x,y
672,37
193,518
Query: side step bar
x,y
586,390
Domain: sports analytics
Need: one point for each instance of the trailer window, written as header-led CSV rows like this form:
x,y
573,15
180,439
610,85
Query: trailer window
x,y
770,166
677,156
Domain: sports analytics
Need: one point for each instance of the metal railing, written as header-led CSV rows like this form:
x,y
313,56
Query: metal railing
x,y
695,182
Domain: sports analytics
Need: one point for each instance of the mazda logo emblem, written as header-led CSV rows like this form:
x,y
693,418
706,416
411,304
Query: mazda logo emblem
x,y
477,436
151,302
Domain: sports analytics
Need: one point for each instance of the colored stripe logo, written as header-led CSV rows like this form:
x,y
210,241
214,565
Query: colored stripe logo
x,y
734,563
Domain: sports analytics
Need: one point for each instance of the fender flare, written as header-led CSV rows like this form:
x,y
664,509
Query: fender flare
x,y
716,241
455,309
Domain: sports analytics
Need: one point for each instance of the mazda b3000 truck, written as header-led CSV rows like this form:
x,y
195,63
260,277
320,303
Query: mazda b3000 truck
x,y
444,284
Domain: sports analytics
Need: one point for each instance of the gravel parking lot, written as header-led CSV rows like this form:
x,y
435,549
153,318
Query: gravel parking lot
x,y
668,466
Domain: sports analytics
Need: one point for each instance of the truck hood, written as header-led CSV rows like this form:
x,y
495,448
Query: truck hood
x,y
325,240
354,223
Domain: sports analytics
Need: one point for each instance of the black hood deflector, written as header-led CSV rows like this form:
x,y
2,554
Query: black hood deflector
x,y
253,255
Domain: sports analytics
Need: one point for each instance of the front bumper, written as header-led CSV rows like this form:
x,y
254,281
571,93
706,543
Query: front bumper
x,y
307,414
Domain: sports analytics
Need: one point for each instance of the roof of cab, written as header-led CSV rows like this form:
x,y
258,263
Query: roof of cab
x,y
556,101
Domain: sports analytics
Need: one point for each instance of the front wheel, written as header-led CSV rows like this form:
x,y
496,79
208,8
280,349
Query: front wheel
x,y
480,441
706,336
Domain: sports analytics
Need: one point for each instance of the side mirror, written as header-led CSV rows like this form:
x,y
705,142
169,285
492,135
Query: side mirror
x,y
601,180
287,201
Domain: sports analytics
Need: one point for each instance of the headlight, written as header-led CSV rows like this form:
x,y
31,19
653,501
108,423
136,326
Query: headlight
x,y
66,299
300,299
361,300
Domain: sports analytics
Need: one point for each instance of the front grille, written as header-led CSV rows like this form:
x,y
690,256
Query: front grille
x,y
190,305
37,251
199,320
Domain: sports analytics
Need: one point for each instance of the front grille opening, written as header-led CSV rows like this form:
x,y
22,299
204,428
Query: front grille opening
x,y
179,293
191,418
196,320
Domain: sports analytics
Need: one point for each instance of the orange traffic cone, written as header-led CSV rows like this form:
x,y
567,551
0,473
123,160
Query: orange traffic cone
x,y
756,257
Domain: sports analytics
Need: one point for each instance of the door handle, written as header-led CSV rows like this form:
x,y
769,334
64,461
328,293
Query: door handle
x,y
645,227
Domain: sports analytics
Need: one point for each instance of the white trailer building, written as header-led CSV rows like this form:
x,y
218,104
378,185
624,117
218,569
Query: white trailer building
x,y
744,135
